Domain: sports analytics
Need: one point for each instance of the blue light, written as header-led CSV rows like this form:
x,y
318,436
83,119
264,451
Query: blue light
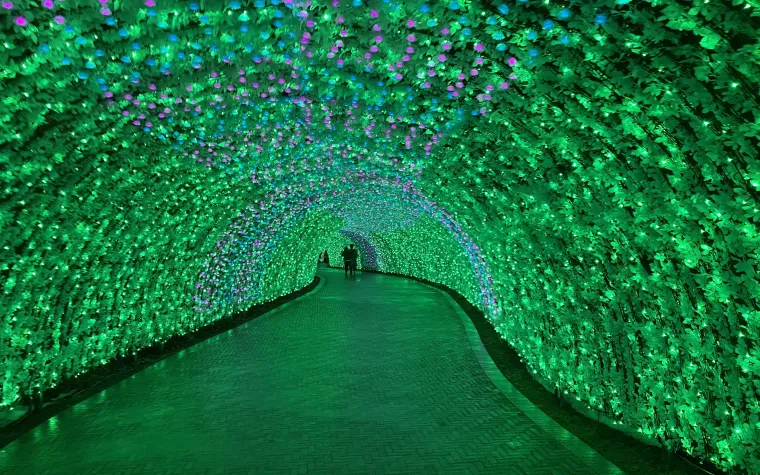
x,y
564,14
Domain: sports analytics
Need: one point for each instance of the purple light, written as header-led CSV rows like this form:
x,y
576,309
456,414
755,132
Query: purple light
x,y
48,4
20,21
7,5
512,61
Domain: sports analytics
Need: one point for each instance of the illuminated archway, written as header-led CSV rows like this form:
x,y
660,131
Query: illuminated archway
x,y
590,168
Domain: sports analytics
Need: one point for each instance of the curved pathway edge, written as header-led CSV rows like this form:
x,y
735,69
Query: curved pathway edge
x,y
592,458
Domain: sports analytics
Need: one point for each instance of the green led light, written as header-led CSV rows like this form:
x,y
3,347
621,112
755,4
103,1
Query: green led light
x,y
588,177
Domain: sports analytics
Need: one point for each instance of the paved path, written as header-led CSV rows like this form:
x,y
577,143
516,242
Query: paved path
x,y
367,375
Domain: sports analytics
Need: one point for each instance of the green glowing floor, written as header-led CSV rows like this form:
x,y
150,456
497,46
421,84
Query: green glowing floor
x,y
367,375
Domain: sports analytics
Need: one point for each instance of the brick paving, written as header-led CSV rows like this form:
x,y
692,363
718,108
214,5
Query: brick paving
x,y
371,375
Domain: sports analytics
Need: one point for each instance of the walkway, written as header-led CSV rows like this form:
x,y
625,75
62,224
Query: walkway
x,y
367,375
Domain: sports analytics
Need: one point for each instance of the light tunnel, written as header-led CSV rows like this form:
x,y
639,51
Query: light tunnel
x,y
394,226
584,173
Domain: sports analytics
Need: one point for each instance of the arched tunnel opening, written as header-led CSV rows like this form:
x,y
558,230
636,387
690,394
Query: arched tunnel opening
x,y
584,174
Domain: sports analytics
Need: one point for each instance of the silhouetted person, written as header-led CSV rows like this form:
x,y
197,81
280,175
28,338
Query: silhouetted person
x,y
344,255
353,255
327,258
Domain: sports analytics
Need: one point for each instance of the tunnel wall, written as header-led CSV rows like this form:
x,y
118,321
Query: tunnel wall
x,y
428,250
629,294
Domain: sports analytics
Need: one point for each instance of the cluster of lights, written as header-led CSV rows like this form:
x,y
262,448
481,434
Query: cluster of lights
x,y
168,163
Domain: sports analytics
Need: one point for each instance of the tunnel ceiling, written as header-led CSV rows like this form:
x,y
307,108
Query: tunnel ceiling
x,y
586,173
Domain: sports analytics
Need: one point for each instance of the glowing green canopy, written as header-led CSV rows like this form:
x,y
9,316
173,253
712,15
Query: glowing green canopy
x,y
585,172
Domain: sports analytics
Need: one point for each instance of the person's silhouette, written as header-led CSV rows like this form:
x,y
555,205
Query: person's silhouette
x,y
344,254
327,258
353,255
